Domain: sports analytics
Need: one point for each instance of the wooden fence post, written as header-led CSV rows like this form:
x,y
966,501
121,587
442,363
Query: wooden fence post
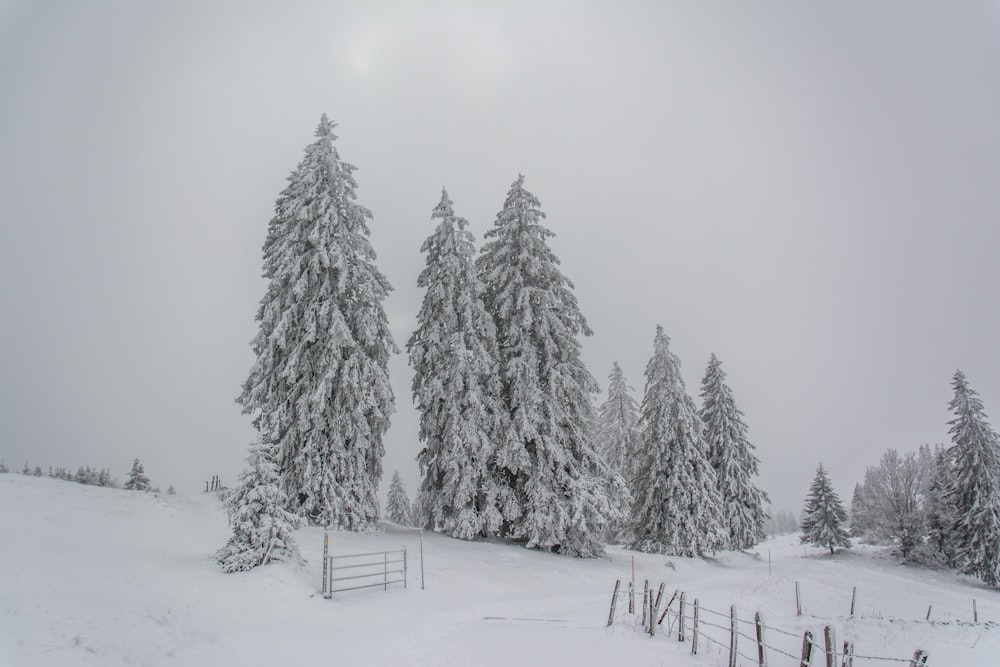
x,y
854,593
928,613
659,595
733,637
652,616
645,601
848,654
831,647
807,649
680,617
975,612
631,598
761,654
798,600
655,611
614,601
694,629
919,658
667,608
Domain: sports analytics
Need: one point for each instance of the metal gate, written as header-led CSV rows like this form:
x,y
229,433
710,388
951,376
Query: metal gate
x,y
349,572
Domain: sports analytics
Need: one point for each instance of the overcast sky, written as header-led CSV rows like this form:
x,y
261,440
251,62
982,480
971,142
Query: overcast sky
x,y
809,190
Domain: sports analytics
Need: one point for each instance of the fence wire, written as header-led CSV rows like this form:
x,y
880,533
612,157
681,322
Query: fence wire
x,y
673,617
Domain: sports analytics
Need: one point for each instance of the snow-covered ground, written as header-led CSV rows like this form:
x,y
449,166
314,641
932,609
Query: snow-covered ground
x,y
109,577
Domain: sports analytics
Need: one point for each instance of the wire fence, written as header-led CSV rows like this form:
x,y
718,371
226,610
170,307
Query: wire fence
x,y
728,634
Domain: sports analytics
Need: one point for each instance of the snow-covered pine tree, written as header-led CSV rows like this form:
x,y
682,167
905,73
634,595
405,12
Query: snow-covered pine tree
x,y
618,417
3,467
319,389
974,488
263,528
824,516
731,454
455,384
678,508
170,490
555,497
616,438
137,480
397,505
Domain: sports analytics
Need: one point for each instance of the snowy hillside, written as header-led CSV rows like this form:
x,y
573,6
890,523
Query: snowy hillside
x,y
96,576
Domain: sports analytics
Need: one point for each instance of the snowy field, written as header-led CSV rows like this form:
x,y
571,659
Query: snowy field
x,y
96,576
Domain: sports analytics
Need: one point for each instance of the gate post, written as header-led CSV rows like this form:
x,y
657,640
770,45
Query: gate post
x,y
326,563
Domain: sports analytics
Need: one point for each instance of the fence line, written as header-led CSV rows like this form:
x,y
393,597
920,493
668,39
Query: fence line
x,y
827,648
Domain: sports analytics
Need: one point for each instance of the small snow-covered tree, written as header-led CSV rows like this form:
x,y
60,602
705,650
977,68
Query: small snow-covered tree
x,y
617,420
824,516
974,488
678,508
86,475
26,470
553,496
617,439
397,506
3,467
104,478
455,385
731,454
263,529
170,490
319,389
137,480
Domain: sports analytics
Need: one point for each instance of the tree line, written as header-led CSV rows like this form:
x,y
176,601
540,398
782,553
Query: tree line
x,y
939,506
136,480
507,417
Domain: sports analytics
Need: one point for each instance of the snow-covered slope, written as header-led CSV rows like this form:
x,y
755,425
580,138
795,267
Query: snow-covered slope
x,y
95,576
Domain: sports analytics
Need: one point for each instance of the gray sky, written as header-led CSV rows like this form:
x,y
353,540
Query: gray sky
x,y
810,190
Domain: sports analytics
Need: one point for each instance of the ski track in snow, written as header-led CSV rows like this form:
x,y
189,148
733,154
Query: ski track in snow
x,y
98,576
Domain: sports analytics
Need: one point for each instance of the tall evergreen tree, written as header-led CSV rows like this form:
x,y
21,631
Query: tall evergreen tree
x,y
455,384
824,516
678,508
397,504
617,421
974,488
137,480
617,438
554,495
731,454
319,390
263,529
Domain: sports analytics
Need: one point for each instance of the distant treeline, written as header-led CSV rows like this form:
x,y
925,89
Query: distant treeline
x,y
137,480
83,475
